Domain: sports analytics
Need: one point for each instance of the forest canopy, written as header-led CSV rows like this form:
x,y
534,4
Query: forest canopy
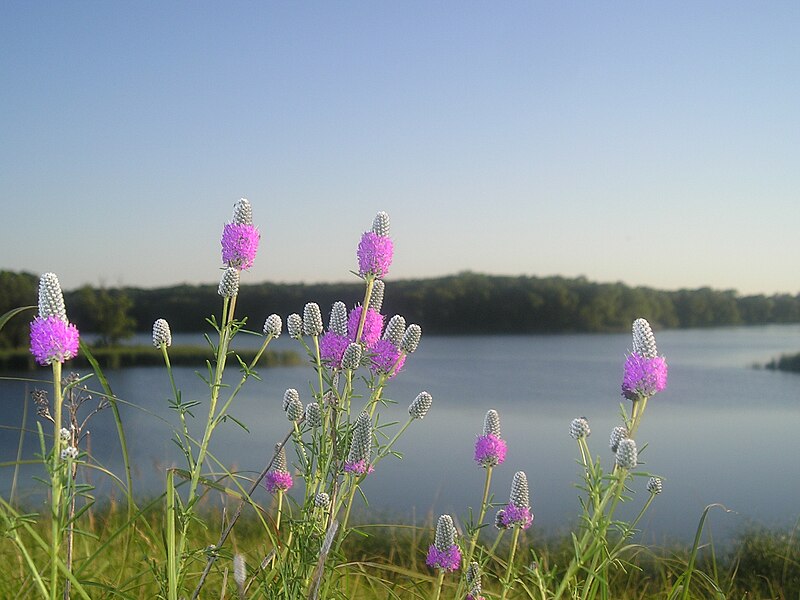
x,y
466,303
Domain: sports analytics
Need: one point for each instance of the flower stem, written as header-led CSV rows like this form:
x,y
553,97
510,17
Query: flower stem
x,y
510,566
56,481
438,584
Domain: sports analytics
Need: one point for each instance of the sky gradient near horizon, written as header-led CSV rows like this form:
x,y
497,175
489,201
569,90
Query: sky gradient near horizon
x,y
656,144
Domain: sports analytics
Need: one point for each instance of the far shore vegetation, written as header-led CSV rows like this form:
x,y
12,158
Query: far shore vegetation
x,y
466,303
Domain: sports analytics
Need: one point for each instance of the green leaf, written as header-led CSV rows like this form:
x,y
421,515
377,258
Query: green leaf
x,y
12,313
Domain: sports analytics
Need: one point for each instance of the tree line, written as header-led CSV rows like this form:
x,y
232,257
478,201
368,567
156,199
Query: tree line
x,y
466,303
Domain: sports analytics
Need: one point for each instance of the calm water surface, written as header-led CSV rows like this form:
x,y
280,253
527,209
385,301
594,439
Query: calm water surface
x,y
722,431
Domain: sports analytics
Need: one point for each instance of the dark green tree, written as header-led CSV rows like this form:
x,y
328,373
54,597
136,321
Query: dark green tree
x,y
107,313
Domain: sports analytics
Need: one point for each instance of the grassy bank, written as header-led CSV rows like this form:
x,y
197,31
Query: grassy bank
x,y
382,561
115,357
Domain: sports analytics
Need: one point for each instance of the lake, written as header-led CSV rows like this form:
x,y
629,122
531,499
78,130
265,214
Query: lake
x,y
722,431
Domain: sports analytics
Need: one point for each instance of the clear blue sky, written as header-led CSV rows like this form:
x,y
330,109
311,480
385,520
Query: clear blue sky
x,y
655,143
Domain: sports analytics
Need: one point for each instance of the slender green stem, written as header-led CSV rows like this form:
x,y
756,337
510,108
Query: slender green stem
x,y
438,585
182,415
484,507
510,566
55,499
365,306
280,512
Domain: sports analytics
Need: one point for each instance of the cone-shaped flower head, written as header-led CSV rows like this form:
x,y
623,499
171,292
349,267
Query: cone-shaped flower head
x,y
421,405
643,377
360,447
52,337
395,330
278,478
518,509
411,339
373,325
239,570
618,434
644,342
332,347
322,500
376,297
654,485
273,326
490,448
374,254
240,238
380,224
229,283
313,414
338,321
312,319
51,299
473,576
351,358
294,410
162,336
579,428
242,212
294,325
386,358
64,434
491,423
289,396
444,552
53,340
627,455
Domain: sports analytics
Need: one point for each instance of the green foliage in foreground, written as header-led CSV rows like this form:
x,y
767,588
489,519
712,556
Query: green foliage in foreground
x,y
387,561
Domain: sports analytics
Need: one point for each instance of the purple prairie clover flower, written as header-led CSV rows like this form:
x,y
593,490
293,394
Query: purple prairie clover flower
x,y
386,358
518,509
395,329
420,406
373,325
53,340
51,299
239,245
490,450
161,333
376,297
579,428
516,515
644,342
359,467
278,478
374,254
444,553
380,224
242,212
338,319
643,376
332,347
278,481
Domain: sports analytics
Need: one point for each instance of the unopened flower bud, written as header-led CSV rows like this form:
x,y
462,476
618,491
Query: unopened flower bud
x,y
395,329
491,423
294,325
338,321
313,414
654,485
242,212
312,319
380,224
352,357
627,455
618,434
273,326
411,339
161,334
376,297
421,405
579,428
229,283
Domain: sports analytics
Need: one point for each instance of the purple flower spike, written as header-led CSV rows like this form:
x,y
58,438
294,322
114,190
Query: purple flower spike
x,y
516,515
332,347
358,467
643,376
373,325
490,450
447,560
374,254
386,358
53,340
278,481
239,245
